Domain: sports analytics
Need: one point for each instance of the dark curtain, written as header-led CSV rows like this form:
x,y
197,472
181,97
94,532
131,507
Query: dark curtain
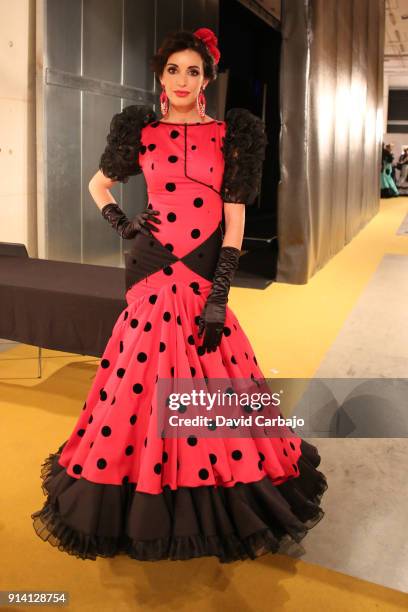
x,y
331,94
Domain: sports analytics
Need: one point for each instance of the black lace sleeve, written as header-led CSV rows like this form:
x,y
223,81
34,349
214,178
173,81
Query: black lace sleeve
x,y
120,158
244,153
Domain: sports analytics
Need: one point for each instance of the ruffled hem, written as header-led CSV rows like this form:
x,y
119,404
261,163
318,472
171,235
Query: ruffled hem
x,y
247,520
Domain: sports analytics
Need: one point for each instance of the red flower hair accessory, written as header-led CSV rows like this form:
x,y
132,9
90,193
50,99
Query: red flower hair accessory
x,y
210,40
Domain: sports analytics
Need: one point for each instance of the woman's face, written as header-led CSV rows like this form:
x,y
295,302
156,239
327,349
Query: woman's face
x,y
184,71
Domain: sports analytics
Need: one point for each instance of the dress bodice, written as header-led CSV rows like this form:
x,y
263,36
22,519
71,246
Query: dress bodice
x,y
183,165
223,156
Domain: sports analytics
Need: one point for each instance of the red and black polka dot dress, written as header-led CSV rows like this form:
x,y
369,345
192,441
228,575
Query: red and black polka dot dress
x,y
116,486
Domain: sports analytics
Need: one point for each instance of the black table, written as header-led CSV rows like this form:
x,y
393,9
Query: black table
x,y
60,305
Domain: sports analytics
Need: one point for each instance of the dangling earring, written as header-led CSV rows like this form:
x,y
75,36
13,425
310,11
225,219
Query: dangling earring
x,y
164,102
201,101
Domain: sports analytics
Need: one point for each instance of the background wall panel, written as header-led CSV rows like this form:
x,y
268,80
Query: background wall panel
x,y
331,132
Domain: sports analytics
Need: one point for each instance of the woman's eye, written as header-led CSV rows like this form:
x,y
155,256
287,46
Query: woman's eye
x,y
193,72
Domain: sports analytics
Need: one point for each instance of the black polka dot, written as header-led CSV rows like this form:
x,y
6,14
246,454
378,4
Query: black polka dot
x,y
147,327
233,360
178,319
105,363
171,186
203,474
292,446
213,458
137,388
171,217
162,347
193,371
121,372
167,316
77,469
103,394
260,466
90,419
142,357
101,464
236,454
172,159
106,431
134,323
227,331
121,346
126,315
195,233
285,452
165,457
80,432
168,270
295,467
262,456
193,147
129,450
133,419
190,339
151,147
169,247
174,133
157,468
201,350
198,202
192,440
195,287
152,299
174,288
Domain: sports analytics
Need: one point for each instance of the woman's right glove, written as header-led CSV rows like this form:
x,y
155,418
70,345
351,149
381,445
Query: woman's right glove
x,y
129,229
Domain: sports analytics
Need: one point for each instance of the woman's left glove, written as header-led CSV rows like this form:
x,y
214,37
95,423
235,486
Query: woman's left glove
x,y
212,318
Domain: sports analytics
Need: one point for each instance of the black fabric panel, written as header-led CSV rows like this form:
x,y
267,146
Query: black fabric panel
x,y
331,97
203,260
147,255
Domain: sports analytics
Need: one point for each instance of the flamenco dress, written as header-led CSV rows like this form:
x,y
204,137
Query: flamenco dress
x,y
116,486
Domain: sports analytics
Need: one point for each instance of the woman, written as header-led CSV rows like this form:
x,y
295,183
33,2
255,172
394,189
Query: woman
x,y
388,187
117,485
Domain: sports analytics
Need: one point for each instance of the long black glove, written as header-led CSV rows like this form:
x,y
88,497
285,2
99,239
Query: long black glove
x,y
128,229
212,318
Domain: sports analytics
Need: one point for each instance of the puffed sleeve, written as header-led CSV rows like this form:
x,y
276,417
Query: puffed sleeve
x,y
244,153
120,158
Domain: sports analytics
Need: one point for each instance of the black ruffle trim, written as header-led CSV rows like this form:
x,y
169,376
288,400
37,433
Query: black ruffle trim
x,y
244,153
89,519
120,158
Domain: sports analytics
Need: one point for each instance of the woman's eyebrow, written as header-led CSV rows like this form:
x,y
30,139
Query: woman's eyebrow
x,y
171,64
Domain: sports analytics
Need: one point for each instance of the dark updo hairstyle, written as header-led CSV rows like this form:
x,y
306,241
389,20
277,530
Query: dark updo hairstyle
x,y
178,40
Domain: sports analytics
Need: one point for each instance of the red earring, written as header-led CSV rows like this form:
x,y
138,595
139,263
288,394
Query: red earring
x,y
201,102
164,102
